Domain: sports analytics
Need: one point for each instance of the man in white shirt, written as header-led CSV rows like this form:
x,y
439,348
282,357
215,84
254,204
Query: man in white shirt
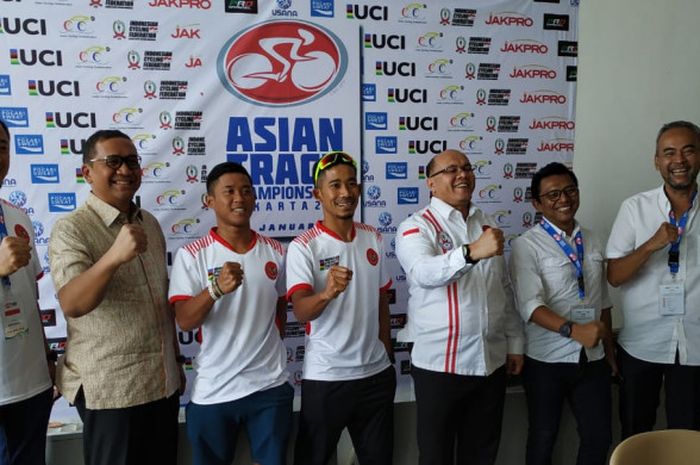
x,y
337,284
230,284
558,275
467,334
25,386
654,257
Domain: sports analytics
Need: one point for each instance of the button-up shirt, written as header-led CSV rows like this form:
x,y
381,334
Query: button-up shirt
x,y
461,317
646,334
543,275
123,352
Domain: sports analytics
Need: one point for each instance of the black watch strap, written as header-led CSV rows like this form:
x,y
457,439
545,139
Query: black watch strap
x,y
565,329
467,255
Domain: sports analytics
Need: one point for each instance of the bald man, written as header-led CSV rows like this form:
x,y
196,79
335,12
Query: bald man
x,y
466,332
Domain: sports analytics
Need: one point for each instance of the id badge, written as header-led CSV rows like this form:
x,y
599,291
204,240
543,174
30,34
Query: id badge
x,y
13,321
582,314
672,299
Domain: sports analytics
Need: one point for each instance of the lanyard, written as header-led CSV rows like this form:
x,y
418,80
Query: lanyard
x,y
576,257
3,235
674,251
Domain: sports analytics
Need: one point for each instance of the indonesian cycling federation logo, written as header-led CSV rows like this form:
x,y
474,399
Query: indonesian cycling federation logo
x,y
282,63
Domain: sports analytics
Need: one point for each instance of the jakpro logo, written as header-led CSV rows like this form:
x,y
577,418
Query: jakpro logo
x,y
509,18
559,144
196,4
525,46
553,122
533,72
31,26
543,96
282,63
189,31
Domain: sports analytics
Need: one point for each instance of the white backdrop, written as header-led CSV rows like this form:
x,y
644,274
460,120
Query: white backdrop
x,y
273,84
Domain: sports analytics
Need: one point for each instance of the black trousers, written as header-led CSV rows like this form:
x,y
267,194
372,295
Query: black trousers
x,y
639,394
365,406
459,417
586,387
144,434
23,430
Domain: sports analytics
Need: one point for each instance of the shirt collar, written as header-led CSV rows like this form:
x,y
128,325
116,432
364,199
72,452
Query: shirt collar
x,y
561,232
110,215
446,210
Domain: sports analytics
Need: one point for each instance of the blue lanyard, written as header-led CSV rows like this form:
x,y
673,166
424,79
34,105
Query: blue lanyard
x,y
576,258
3,235
674,252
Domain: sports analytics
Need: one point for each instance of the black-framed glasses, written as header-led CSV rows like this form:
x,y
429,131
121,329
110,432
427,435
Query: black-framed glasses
x,y
554,195
454,169
332,159
133,162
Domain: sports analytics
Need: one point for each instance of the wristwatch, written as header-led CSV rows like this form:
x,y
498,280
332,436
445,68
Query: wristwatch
x,y
467,256
565,329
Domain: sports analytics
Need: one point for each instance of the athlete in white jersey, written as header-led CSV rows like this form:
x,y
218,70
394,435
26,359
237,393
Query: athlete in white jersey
x,y
230,284
336,284
25,385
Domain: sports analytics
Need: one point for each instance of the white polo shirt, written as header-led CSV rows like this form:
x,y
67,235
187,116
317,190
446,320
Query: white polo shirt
x,y
543,275
646,334
241,349
461,317
24,372
343,342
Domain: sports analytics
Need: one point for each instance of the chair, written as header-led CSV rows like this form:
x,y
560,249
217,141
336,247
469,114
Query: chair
x,y
664,447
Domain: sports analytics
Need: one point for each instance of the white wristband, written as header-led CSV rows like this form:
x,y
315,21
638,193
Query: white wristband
x,y
212,292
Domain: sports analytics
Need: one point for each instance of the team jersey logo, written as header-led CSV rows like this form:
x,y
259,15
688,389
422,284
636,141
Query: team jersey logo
x,y
445,241
372,257
282,63
271,270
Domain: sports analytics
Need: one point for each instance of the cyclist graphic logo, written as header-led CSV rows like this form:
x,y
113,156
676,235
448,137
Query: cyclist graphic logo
x,y
282,63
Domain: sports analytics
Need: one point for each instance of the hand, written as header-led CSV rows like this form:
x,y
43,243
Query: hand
x,y
612,361
666,234
514,364
337,281
589,334
15,253
230,277
488,245
130,242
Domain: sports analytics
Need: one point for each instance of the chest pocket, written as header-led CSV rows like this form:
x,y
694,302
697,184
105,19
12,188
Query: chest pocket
x,y
556,273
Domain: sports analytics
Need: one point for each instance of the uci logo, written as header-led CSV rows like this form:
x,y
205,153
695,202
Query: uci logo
x,y
282,63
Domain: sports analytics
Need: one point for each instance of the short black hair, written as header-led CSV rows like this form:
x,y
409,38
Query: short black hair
x,y
552,169
225,168
692,127
4,127
98,136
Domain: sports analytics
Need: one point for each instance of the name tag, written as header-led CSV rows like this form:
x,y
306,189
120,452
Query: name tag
x,y
672,299
582,314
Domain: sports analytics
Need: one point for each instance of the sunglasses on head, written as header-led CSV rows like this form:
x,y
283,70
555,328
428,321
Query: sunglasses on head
x,y
332,159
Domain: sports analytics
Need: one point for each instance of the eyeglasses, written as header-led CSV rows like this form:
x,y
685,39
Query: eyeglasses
x,y
332,159
570,191
133,162
453,169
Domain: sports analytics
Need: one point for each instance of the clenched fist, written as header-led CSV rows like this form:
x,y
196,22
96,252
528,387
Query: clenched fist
x,y
488,245
130,242
665,235
15,253
230,277
337,281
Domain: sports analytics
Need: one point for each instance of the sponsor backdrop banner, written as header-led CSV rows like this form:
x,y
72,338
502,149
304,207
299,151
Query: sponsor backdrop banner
x,y
273,85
